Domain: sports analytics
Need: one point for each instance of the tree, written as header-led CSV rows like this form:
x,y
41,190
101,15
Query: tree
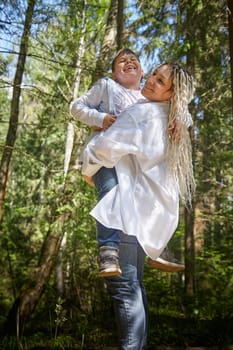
x,y
230,26
14,113
108,44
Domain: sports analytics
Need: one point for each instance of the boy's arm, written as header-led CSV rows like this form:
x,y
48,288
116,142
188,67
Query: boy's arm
x,y
85,108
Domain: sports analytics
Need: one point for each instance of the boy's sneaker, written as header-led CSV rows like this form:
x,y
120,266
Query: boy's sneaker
x,y
166,262
108,262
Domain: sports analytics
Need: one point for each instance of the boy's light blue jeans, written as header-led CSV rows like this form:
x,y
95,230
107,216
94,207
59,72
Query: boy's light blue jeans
x,y
129,295
105,179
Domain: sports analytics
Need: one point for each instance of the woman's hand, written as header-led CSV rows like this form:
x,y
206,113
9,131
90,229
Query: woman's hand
x,y
174,131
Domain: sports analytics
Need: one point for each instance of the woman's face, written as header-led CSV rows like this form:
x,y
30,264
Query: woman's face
x,y
158,87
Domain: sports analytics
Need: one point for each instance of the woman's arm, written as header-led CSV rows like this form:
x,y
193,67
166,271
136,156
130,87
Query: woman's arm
x,y
107,148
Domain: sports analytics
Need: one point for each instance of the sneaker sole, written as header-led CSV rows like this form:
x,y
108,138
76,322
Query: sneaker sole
x,y
165,266
108,273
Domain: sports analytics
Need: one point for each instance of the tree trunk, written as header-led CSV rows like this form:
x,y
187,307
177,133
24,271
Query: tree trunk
x,y
30,294
109,43
71,136
120,24
14,111
189,253
189,234
189,214
230,21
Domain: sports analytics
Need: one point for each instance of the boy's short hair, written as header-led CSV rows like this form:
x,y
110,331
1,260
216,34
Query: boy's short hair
x,y
121,52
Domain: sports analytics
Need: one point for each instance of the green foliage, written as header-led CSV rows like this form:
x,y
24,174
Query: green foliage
x,y
213,267
79,313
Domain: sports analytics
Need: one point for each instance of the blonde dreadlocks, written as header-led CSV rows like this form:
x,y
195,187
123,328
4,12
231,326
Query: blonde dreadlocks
x,y
179,150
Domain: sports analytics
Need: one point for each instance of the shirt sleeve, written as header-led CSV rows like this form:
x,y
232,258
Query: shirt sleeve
x,y
87,107
107,148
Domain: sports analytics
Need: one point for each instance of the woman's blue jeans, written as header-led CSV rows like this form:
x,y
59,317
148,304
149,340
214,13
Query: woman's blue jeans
x,y
129,295
127,290
105,179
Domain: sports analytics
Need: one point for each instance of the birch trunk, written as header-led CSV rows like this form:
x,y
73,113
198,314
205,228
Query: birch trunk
x,y
70,138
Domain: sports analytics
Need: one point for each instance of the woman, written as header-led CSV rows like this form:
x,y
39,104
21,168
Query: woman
x,y
152,171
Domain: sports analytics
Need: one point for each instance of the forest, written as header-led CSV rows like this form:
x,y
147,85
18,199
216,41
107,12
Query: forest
x,y
51,52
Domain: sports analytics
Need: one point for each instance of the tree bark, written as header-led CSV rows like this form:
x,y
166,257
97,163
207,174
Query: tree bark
x,y
14,111
120,24
30,294
189,253
230,25
109,43
189,216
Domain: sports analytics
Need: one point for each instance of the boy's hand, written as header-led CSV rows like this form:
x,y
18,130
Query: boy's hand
x,y
88,180
109,119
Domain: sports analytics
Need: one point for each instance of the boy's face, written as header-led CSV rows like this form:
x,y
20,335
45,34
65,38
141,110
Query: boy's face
x,y
158,87
127,71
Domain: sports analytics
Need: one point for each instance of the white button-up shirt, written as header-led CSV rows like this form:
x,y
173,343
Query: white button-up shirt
x,y
105,97
145,202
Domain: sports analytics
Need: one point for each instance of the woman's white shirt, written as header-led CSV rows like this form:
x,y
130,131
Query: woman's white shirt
x,y
145,202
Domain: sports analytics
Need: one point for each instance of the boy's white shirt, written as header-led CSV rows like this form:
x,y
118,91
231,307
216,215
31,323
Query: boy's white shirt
x,y
105,97
145,202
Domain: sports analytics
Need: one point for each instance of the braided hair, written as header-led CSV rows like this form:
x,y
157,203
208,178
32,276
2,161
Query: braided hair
x,y
179,150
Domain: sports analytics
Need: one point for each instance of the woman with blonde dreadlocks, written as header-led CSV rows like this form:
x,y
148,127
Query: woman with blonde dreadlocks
x,y
152,170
